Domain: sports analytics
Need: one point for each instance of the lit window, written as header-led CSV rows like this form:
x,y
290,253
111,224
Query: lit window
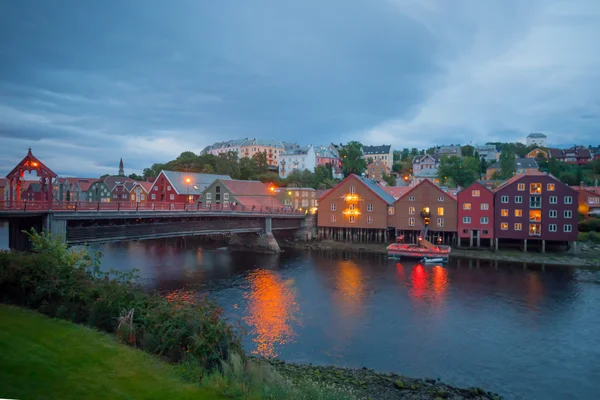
x,y
504,212
568,214
485,206
552,228
535,230
553,200
504,199
568,200
518,213
440,211
351,207
172,196
504,226
518,226
369,207
567,228
333,218
535,188
208,196
441,198
411,211
440,222
411,221
518,199
391,210
352,189
466,206
476,193
521,187
551,187
369,219
411,198
352,219
333,207
466,220
535,215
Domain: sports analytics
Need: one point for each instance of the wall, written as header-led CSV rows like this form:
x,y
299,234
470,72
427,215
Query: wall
x,y
465,196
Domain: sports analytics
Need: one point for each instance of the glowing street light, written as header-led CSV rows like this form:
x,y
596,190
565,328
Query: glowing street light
x,y
187,185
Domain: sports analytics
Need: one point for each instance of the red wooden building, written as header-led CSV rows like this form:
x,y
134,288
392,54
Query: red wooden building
x,y
180,187
476,215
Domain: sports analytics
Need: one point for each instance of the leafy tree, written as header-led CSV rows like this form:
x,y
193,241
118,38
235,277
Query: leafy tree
x,y
405,154
248,168
596,166
352,159
397,155
136,177
262,164
104,176
320,175
369,160
461,171
483,165
153,171
507,163
227,164
431,150
207,169
389,179
414,152
468,151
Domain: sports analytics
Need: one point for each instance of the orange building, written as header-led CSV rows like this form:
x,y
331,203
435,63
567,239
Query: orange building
x,y
357,209
376,170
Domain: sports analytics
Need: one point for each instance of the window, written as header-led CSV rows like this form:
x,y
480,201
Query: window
x,y
369,207
352,219
208,196
352,189
153,196
567,228
553,214
535,188
504,226
535,202
351,207
124,196
518,226
172,196
475,193
553,200
484,220
411,221
155,188
485,206
504,199
217,189
465,231
208,202
440,198
551,187
535,230
333,207
441,211
391,210
504,212
411,198
521,187
143,197
369,219
115,196
518,213
466,220
225,203
168,188
568,214
466,206
225,196
518,199
485,231
568,200
411,211
440,222
333,218
535,215
552,228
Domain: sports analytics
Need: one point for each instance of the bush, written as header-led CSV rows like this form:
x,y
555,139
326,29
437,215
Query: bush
x,y
583,236
69,284
590,225
595,237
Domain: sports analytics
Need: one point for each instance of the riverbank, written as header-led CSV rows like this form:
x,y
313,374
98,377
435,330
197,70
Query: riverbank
x,y
587,255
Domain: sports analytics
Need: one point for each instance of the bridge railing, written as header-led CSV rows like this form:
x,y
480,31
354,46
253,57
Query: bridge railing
x,y
99,206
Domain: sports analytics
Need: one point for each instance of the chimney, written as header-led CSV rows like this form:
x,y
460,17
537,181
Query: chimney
x,y
581,184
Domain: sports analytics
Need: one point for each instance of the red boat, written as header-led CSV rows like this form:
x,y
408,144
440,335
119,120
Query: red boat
x,y
423,250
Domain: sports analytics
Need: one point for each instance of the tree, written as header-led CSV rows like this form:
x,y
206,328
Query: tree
x,y
248,169
321,175
397,155
414,152
461,171
104,176
483,165
262,164
431,150
596,166
227,164
136,177
405,154
352,159
389,179
507,163
468,151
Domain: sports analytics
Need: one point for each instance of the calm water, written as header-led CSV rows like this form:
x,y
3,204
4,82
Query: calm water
x,y
527,333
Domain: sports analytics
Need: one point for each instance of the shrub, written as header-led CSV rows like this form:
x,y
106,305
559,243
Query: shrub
x,y
68,283
583,236
590,225
595,237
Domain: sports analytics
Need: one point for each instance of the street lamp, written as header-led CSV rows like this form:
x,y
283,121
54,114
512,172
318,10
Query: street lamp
x,y
187,185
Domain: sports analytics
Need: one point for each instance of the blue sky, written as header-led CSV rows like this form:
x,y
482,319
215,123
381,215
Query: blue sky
x,y
85,83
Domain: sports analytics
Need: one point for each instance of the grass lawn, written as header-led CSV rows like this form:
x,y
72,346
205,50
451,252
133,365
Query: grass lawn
x,y
43,358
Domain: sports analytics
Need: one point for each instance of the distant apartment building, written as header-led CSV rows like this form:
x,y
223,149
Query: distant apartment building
x,y
536,139
377,170
297,159
382,153
297,198
330,155
522,165
452,150
249,147
488,152
573,155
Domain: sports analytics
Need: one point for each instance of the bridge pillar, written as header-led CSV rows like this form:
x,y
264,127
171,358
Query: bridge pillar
x,y
259,243
57,228
268,227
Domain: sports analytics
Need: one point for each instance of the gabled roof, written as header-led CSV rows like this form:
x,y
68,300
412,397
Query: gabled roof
x,y
320,193
246,188
144,185
85,183
519,176
590,189
575,151
370,184
477,184
30,162
383,149
198,183
426,182
113,181
396,191
421,158
527,163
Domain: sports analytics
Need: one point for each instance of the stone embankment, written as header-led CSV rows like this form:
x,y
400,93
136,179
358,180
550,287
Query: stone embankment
x,y
367,384
587,254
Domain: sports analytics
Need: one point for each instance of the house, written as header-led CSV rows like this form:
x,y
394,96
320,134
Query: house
x,y
297,198
139,192
33,192
98,191
181,187
452,150
537,154
425,162
82,186
535,207
488,152
376,171
242,195
224,147
119,187
574,155
422,203
381,153
396,191
522,165
248,148
588,198
425,174
330,155
358,210
536,139
476,215
297,159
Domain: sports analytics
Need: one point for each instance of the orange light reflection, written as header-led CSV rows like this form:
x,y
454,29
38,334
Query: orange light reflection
x,y
419,281
350,286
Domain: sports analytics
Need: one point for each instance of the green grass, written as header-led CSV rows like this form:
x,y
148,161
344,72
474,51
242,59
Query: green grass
x,y
43,358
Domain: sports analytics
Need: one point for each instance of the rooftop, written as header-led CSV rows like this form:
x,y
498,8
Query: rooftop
x,y
537,135
377,189
383,149
198,183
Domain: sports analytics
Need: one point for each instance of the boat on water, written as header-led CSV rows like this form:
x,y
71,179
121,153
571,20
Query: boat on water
x,y
423,250
437,260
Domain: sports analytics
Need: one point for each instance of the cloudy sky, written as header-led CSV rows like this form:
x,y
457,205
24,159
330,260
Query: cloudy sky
x,y
84,83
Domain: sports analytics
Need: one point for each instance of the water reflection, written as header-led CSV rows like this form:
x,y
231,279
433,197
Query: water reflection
x,y
271,311
418,277
350,288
